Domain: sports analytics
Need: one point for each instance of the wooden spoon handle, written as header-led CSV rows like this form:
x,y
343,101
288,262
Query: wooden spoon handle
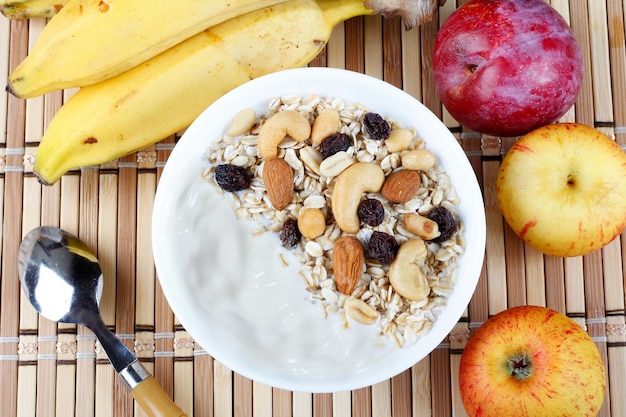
x,y
154,401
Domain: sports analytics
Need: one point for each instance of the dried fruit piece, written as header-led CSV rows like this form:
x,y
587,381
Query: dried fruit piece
x,y
446,222
371,212
376,126
348,261
401,186
231,177
290,234
334,143
383,247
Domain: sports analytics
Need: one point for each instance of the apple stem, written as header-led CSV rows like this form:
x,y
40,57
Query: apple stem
x,y
520,367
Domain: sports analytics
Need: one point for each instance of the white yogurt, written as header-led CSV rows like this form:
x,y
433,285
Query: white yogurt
x,y
260,308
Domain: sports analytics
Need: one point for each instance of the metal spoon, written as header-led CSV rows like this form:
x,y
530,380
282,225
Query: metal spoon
x,y
63,281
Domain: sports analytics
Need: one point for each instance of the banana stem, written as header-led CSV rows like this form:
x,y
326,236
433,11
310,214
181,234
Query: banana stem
x,y
336,12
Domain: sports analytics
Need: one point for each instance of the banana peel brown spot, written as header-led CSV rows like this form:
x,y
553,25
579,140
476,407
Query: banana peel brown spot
x,y
90,141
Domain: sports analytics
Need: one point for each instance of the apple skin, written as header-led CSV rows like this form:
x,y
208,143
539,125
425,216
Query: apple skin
x,y
562,189
566,377
506,67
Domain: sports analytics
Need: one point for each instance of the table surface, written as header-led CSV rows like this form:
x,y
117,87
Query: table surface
x,y
60,370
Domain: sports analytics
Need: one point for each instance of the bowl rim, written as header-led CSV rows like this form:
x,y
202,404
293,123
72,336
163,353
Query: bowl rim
x,y
292,80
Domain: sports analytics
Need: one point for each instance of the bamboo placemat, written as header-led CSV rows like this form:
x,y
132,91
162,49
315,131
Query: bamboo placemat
x,y
60,370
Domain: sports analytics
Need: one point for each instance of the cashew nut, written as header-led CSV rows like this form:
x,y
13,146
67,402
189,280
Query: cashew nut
x,y
405,272
326,124
399,139
311,222
276,128
418,160
350,185
242,122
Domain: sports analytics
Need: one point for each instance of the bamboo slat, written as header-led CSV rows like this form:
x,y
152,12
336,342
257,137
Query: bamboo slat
x,y
617,57
60,370
11,229
5,32
372,39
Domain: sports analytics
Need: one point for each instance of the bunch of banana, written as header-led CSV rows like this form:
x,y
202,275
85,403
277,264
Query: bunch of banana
x,y
26,9
166,93
89,41
132,100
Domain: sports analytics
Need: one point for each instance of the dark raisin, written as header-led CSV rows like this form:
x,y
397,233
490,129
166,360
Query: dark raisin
x,y
371,212
335,143
446,222
231,177
383,247
376,127
290,234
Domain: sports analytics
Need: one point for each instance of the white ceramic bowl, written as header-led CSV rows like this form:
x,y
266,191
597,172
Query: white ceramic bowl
x,y
237,300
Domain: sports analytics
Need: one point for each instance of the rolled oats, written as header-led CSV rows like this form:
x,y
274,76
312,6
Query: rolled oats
x,y
336,164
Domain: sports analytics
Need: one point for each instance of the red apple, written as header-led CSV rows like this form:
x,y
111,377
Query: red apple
x,y
531,361
506,67
562,189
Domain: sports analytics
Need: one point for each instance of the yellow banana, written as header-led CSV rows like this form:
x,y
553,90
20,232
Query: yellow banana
x,y
140,107
26,9
91,40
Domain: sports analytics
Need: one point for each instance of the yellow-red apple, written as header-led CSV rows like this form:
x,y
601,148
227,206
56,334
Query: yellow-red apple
x,y
562,189
531,361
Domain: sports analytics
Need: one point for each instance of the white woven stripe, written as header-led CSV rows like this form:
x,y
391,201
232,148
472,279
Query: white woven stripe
x,y
9,339
169,335
14,151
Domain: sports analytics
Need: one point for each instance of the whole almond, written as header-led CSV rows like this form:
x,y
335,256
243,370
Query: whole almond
x,y
401,186
278,178
348,261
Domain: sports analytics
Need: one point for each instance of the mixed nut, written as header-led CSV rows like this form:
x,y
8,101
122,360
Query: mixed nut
x,y
362,200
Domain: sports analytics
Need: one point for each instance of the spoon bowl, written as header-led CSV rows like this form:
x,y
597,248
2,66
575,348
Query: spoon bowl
x,y
63,281
60,275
